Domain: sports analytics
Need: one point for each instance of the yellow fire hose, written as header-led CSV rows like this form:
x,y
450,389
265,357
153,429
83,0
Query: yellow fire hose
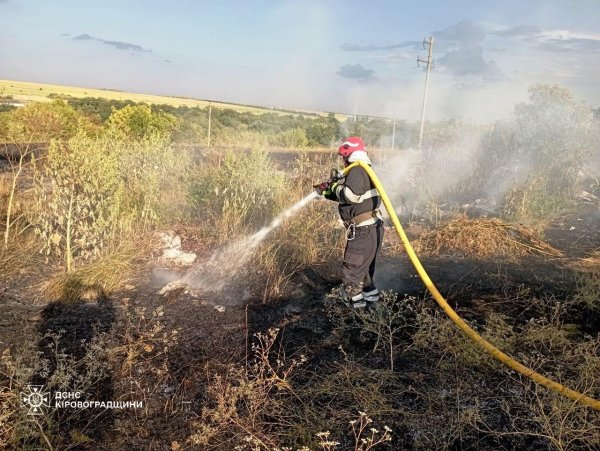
x,y
490,348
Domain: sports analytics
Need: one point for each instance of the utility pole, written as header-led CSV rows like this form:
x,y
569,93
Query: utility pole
x,y
429,62
209,117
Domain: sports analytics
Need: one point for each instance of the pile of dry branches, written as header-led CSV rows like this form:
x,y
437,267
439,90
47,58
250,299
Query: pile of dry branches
x,y
464,237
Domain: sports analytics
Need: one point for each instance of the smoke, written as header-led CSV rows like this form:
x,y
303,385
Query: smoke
x,y
412,177
161,277
542,146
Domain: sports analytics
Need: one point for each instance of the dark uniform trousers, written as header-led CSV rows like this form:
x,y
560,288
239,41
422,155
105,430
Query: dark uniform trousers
x,y
359,258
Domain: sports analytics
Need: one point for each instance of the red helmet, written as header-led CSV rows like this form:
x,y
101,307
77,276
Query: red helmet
x,y
350,145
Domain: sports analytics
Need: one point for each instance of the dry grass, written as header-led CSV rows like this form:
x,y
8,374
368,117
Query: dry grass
x,y
103,276
20,257
478,238
593,258
588,289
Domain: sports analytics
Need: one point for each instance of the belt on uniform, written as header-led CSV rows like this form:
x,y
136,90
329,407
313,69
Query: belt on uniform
x,y
363,219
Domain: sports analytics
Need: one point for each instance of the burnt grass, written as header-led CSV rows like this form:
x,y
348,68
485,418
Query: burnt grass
x,y
212,338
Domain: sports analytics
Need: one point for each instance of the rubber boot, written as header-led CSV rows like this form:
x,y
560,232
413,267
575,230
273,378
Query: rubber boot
x,y
371,295
352,296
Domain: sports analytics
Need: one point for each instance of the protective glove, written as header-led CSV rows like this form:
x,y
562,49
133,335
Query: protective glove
x,y
322,187
330,193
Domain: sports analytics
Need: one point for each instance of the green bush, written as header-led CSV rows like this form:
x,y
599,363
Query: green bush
x,y
236,190
78,195
90,189
152,174
295,137
588,290
543,194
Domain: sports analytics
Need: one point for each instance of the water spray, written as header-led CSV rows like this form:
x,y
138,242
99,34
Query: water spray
x,y
225,263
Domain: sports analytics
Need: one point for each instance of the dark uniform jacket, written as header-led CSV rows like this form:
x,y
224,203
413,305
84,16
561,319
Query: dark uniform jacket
x,y
356,194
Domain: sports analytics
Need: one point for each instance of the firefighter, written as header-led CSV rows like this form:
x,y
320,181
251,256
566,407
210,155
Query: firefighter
x,y
359,210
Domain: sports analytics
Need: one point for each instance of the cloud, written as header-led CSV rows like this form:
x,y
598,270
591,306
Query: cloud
x,y
518,31
392,57
557,41
464,52
468,60
464,32
460,47
566,35
570,45
369,48
84,37
125,46
356,72
120,45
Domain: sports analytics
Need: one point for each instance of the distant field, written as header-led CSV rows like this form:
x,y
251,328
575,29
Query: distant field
x,y
39,92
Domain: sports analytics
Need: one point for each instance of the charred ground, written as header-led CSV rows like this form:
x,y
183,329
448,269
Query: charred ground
x,y
346,365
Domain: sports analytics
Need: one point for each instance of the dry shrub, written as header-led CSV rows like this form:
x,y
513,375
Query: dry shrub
x,y
330,398
265,407
102,276
364,439
244,404
546,420
143,342
382,325
310,239
5,191
310,168
588,290
128,362
238,138
141,358
453,387
54,427
240,192
479,238
9,399
542,418
272,271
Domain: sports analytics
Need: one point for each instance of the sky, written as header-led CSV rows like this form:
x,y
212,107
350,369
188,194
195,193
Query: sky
x,y
353,57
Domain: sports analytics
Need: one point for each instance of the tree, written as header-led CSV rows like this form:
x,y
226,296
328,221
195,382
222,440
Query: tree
x,y
295,137
531,162
23,131
78,197
322,131
138,122
41,122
